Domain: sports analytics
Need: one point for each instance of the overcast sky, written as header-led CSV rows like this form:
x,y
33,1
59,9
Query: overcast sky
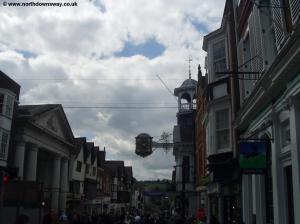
x,y
108,53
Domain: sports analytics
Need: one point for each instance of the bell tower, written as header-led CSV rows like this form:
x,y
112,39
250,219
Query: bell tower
x,y
184,144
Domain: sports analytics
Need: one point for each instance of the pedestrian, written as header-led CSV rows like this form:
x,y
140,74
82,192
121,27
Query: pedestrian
x,y
137,220
23,219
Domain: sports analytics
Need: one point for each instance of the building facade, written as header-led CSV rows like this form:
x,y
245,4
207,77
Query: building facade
x,y
223,190
253,96
9,98
268,45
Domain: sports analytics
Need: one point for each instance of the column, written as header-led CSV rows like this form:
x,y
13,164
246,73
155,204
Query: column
x,y
247,198
277,175
31,163
63,184
260,199
19,158
295,150
55,182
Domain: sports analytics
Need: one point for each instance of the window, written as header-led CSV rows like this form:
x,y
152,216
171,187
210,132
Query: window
x,y
87,169
6,105
222,129
94,171
1,102
3,144
78,166
219,56
9,106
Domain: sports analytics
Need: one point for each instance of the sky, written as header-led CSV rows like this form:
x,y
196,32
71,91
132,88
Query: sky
x,y
108,53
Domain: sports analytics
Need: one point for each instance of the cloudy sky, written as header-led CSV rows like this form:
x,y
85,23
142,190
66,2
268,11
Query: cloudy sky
x,y
107,53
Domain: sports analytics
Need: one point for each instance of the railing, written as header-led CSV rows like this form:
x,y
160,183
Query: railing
x,y
187,107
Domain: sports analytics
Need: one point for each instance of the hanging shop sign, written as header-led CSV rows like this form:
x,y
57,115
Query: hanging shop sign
x,y
253,156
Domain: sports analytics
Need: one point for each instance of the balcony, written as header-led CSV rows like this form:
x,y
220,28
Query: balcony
x,y
186,107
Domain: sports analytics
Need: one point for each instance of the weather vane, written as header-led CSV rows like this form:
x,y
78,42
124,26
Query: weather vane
x,y
190,60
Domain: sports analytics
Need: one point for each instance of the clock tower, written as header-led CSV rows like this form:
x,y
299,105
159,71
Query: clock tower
x,y
184,146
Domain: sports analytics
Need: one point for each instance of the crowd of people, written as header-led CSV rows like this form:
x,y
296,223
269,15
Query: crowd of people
x,y
125,218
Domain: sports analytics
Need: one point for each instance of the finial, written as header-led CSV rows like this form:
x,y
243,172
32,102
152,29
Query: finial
x,y
199,72
189,60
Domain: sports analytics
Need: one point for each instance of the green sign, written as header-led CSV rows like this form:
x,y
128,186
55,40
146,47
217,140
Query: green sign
x,y
253,156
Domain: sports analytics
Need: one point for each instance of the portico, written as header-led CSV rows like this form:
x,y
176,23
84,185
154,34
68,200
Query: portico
x,y
43,146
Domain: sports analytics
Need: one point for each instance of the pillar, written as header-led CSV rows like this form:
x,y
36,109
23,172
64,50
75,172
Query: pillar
x,y
19,158
247,198
277,175
31,163
55,182
63,184
295,150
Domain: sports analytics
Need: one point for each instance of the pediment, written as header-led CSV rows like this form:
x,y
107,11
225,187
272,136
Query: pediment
x,y
55,122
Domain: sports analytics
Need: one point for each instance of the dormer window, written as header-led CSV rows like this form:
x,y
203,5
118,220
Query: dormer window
x,y
219,58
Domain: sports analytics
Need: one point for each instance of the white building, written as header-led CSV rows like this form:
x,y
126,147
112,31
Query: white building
x,y
9,97
268,43
43,144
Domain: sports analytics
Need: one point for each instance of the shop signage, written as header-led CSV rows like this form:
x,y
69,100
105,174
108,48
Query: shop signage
x,y
252,157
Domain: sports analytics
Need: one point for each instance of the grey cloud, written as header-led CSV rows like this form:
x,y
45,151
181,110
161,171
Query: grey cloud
x,y
68,44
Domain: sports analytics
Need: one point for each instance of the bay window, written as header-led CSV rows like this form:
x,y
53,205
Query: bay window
x,y
219,58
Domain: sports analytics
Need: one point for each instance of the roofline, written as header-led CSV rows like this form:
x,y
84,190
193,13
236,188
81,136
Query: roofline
x,y
217,31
